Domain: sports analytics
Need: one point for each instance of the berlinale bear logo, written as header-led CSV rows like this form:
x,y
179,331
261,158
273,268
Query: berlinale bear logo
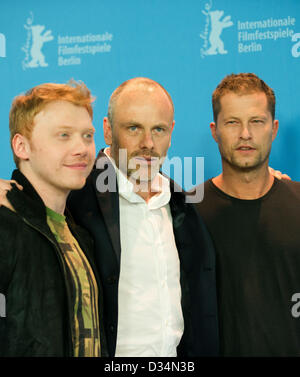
x,y
34,43
213,29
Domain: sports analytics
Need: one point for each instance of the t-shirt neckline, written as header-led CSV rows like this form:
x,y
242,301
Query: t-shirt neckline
x,y
232,198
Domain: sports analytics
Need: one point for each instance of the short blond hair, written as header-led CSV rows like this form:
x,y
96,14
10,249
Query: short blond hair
x,y
26,106
242,83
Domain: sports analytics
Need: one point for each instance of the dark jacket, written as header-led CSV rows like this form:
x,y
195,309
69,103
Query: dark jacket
x,y
97,210
37,321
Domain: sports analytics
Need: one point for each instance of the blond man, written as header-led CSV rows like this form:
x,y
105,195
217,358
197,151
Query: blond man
x,y
253,219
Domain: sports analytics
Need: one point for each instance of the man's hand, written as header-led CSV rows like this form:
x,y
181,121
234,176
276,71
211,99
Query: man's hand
x,y
4,187
277,174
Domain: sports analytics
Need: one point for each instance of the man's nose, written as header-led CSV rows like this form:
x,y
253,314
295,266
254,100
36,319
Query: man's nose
x,y
245,133
147,140
80,146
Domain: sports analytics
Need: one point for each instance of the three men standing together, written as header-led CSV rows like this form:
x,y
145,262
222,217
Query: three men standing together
x,y
154,255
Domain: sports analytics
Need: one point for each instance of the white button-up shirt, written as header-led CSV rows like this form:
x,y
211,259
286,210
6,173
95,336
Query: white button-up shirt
x,y
150,321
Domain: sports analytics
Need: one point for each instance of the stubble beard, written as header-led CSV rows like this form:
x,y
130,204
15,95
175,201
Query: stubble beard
x,y
248,166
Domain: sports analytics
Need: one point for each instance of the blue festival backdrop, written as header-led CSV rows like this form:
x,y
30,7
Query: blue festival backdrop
x,y
186,45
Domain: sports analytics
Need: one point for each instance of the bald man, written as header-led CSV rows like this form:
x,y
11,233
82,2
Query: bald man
x,y
154,255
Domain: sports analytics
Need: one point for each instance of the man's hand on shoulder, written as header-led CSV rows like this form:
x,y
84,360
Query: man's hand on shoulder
x,y
5,186
277,174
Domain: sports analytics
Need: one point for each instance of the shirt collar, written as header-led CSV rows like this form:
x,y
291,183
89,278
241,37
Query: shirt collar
x,y
160,184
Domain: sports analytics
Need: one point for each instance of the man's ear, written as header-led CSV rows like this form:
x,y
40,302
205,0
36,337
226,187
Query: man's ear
x,y
213,129
173,124
107,131
21,146
275,129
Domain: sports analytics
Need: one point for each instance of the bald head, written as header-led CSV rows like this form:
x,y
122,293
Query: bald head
x,y
135,85
140,120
